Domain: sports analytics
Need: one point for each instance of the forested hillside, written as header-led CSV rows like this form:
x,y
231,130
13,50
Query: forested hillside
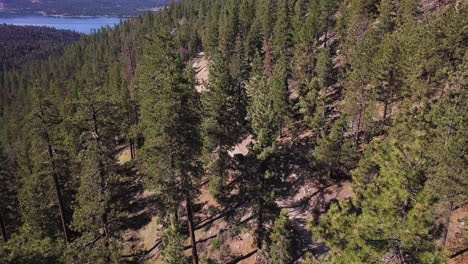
x,y
23,48
81,7
325,131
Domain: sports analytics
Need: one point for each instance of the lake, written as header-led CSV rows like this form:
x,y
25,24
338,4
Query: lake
x,y
82,25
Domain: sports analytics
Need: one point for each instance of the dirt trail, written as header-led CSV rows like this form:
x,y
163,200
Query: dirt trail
x,y
201,67
231,224
312,197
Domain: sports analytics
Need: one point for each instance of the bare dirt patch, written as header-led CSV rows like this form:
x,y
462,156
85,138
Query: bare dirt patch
x,y
457,236
201,67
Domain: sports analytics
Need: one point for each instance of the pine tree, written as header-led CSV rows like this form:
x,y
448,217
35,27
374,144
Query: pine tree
x,y
390,216
306,37
324,68
173,246
170,115
386,19
334,155
223,111
261,112
228,29
7,196
297,20
327,10
407,12
309,104
265,18
281,240
261,178
246,17
279,94
53,163
387,70
211,35
282,37
94,194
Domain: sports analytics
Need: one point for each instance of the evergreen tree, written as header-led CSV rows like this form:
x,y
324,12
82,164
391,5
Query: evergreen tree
x,y
228,29
312,107
391,215
246,17
223,118
170,115
279,94
282,37
50,167
261,178
387,75
334,155
265,18
281,240
261,111
386,17
327,10
324,68
173,246
7,197
306,37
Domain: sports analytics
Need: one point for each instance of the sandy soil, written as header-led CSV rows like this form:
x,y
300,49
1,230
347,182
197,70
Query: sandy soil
x,y
457,237
201,68
243,147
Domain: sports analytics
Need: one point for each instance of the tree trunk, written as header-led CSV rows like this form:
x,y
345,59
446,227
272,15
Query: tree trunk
x,y
448,224
358,129
191,230
326,34
58,191
260,225
384,118
132,150
2,225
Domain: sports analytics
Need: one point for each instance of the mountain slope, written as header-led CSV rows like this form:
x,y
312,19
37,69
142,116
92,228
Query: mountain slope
x,y
349,117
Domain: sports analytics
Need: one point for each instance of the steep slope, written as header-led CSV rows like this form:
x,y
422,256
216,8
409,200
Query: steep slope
x,y
326,131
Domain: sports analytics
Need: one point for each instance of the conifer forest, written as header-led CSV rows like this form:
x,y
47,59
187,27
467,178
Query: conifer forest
x,y
239,131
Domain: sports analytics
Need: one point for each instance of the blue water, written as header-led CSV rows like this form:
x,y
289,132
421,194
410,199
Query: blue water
x,y
82,25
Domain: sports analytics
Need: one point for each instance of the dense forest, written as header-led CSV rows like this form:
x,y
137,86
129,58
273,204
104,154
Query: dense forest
x,y
23,49
81,7
244,131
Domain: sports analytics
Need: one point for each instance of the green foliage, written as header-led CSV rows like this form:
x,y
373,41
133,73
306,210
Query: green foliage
x,y
282,35
36,248
92,248
279,94
334,155
281,240
223,117
382,77
261,112
170,118
8,198
324,68
216,243
392,214
173,246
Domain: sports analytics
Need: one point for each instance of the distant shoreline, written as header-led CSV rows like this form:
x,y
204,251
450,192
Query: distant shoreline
x,y
7,13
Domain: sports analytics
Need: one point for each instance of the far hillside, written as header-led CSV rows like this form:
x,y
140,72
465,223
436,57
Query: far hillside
x,y
26,45
82,7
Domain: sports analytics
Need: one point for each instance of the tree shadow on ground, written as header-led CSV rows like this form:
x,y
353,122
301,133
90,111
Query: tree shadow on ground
x,y
135,208
239,259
